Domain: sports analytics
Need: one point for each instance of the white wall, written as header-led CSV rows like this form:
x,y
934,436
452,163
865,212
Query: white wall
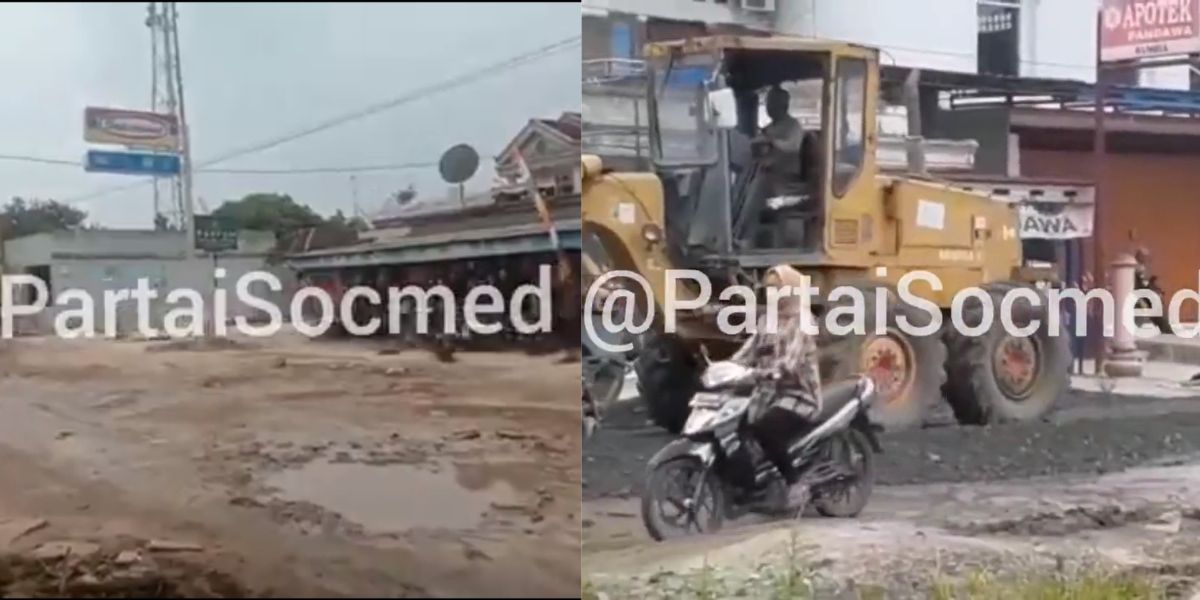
x,y
1058,36
1058,39
1177,77
931,34
684,10
99,260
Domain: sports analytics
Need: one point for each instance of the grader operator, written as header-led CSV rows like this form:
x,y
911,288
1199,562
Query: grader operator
x,y
734,193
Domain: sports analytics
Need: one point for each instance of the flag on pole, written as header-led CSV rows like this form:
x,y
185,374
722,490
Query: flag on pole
x,y
544,213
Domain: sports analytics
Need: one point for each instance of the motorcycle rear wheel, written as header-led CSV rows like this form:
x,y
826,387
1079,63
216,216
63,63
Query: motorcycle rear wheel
x,y
846,498
663,490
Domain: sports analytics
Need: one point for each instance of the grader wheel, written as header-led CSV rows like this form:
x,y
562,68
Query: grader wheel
x,y
908,371
888,361
997,376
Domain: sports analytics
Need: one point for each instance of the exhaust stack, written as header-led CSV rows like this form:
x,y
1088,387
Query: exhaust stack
x,y
914,141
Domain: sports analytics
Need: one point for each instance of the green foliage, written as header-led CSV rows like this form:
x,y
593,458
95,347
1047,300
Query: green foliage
x,y
792,580
289,221
339,222
267,212
22,217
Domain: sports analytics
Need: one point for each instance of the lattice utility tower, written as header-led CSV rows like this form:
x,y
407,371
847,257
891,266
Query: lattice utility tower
x,y
165,91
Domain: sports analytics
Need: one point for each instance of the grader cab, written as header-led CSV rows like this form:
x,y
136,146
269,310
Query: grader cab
x,y
726,200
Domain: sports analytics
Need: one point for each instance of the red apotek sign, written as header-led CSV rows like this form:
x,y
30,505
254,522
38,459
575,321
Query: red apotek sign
x,y
1131,29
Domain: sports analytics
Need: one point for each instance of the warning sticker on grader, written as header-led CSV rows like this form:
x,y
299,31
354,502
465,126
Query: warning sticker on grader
x,y
931,215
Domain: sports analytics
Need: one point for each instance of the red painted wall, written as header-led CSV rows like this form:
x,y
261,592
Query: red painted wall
x,y
1153,200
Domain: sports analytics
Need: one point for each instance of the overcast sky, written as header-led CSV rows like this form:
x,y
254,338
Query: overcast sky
x,y
256,71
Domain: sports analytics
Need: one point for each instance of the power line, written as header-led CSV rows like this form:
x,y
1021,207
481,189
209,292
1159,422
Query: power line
x,y
290,171
309,170
41,160
490,70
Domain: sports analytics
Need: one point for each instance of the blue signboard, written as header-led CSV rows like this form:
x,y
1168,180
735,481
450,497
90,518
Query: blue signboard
x,y
132,163
621,41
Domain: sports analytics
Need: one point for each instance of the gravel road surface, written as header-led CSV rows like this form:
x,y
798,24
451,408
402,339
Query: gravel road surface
x,y
1089,433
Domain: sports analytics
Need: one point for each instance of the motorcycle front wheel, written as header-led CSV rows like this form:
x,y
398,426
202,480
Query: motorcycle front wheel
x,y
847,496
680,499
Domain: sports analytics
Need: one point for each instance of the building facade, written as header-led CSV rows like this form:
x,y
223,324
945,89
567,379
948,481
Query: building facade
x,y
1019,38
550,150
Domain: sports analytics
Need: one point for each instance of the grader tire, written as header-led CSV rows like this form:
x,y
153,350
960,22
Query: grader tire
x,y
668,377
996,377
908,370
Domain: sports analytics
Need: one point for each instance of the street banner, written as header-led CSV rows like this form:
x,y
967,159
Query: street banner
x,y
1055,221
131,128
1136,29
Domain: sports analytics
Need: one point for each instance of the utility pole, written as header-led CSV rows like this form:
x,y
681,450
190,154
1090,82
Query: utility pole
x,y
185,139
189,208
165,93
1099,152
152,24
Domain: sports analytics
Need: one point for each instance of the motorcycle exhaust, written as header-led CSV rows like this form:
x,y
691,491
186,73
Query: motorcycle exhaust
x,y
840,419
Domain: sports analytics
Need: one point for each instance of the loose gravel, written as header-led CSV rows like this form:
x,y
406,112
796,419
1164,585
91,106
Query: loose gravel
x,y
1089,433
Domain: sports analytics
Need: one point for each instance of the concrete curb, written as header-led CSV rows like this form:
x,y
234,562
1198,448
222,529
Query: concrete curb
x,y
1171,349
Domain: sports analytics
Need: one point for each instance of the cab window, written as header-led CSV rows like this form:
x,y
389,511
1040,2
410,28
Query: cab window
x,y
849,127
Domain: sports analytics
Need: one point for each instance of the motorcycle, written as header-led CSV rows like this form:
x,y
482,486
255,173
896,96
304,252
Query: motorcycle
x,y
717,471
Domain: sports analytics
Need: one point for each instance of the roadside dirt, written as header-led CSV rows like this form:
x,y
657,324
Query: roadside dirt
x,y
288,466
1105,482
1141,521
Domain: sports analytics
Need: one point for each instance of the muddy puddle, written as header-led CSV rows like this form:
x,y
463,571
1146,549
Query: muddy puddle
x,y
392,498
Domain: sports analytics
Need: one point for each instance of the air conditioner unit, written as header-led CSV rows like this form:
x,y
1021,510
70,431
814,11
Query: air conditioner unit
x,y
759,5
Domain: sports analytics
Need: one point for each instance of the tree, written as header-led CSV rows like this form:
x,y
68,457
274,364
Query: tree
x,y
291,222
28,217
339,222
267,212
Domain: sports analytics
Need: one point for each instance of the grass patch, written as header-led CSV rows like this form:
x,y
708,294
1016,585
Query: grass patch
x,y
980,586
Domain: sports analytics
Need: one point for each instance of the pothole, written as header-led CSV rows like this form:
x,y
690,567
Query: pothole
x,y
391,498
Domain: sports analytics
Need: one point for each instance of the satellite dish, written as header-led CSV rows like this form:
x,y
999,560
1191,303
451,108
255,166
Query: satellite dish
x,y
459,163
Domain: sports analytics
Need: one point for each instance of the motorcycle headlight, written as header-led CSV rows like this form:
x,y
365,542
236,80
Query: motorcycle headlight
x,y
723,373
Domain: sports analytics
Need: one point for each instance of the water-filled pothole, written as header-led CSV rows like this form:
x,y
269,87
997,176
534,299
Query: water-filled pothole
x,y
391,498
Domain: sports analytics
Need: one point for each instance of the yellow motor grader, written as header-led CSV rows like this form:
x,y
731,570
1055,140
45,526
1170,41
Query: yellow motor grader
x,y
710,206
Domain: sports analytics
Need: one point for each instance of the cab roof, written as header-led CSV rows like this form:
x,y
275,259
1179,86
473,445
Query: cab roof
x,y
784,43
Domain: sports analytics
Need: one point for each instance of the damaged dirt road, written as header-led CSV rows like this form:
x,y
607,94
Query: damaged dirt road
x,y
912,538
1107,484
286,466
